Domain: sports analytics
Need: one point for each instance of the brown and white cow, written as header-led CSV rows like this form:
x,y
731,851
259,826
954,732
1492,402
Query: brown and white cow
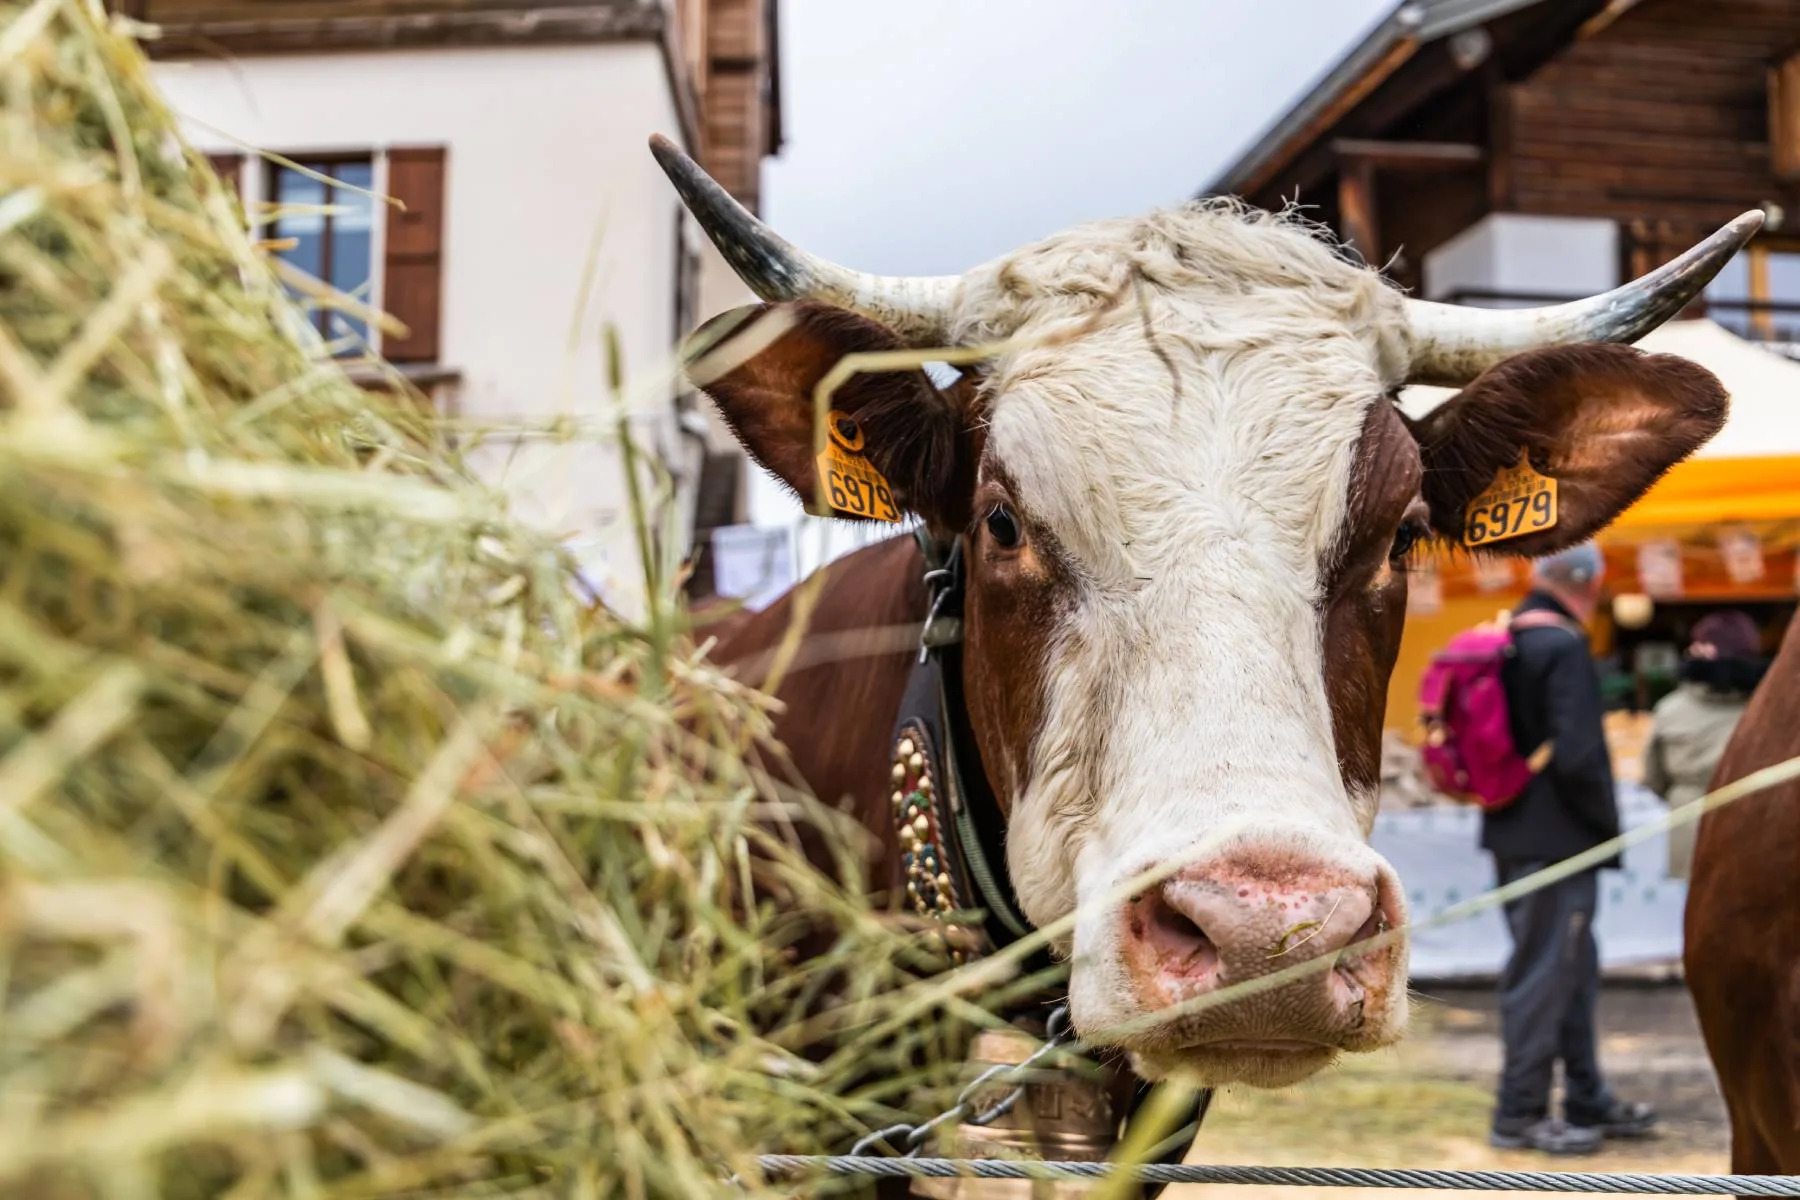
x,y
1742,938
1189,501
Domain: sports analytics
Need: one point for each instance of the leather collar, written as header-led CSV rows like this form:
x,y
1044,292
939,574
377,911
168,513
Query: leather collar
x,y
951,831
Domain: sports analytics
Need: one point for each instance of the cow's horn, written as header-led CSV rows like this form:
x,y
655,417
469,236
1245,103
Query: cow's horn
x,y
915,308
1452,345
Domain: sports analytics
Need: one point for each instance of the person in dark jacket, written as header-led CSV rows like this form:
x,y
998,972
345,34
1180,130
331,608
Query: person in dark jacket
x,y
1551,983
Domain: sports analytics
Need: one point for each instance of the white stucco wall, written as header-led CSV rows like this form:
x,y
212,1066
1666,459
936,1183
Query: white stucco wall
x,y
547,175
1517,252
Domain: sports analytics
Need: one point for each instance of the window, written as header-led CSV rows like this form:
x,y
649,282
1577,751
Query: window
x,y
326,220
1757,293
368,222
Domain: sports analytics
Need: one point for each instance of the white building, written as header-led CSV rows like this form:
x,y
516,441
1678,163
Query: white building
x,y
514,134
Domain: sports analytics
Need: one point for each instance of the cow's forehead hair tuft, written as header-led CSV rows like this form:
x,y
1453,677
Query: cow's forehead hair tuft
x,y
1260,275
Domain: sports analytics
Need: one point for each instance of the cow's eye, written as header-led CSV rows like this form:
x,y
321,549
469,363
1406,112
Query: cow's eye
x,y
1406,538
1002,526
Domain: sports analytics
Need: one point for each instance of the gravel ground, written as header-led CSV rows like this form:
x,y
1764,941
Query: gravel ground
x,y
1426,1103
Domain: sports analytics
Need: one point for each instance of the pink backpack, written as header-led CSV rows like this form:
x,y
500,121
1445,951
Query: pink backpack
x,y
1469,751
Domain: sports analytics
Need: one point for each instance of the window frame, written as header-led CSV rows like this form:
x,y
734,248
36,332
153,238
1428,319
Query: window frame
x,y
323,162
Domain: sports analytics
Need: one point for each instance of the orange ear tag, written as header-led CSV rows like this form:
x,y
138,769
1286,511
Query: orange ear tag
x,y
852,484
1518,502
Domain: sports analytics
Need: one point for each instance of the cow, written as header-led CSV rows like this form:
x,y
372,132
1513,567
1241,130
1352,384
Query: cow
x,y
1741,940
1187,503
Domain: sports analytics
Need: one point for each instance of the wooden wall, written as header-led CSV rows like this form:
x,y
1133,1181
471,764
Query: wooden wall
x,y
736,108
1660,117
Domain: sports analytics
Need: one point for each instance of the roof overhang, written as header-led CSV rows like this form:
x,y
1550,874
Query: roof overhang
x,y
211,29
1414,24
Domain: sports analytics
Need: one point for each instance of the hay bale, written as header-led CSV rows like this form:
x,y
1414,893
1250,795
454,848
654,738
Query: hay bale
x,y
346,846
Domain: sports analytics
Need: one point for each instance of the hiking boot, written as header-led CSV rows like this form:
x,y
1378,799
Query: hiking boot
x,y
1622,1120
1546,1135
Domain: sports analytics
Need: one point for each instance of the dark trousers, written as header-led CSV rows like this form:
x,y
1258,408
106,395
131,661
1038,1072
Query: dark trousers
x,y
1547,997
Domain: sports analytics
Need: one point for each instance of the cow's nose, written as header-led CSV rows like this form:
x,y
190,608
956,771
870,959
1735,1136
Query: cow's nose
x,y
1214,924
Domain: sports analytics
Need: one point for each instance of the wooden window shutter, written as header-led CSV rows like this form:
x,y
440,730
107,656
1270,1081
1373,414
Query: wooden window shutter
x,y
1784,119
230,170
413,268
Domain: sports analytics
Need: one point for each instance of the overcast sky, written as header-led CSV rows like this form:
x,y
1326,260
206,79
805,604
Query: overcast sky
x,y
925,136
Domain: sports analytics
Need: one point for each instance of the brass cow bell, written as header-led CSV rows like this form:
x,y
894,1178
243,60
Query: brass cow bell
x,y
1070,1112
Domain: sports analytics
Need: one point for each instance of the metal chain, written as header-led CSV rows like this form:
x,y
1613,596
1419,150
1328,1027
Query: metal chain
x,y
912,1138
790,1166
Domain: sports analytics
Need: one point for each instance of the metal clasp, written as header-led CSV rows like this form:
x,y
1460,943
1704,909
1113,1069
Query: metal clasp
x,y
939,630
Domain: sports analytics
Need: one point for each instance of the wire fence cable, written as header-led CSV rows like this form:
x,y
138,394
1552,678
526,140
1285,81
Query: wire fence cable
x,y
792,1166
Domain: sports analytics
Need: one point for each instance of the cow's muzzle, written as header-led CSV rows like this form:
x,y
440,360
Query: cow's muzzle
x,y
1243,916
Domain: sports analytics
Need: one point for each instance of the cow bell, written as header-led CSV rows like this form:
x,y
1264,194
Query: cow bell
x,y
1068,1113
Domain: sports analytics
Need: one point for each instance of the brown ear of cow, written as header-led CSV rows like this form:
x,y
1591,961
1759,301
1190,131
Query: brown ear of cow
x,y
1604,421
762,364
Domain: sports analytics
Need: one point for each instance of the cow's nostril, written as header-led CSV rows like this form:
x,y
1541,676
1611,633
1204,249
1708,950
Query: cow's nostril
x,y
1346,977
1180,943
1179,929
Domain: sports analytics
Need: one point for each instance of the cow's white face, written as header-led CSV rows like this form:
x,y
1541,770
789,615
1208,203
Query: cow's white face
x,y
1188,499
1172,492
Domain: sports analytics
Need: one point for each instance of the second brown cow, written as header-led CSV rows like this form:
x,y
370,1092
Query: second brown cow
x,y
1742,936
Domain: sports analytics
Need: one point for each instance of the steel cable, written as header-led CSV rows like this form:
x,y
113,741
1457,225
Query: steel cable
x,y
798,1166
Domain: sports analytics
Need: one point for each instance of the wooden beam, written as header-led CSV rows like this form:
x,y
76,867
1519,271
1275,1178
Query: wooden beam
x,y
1357,220
1606,16
1407,155
1762,324
1784,118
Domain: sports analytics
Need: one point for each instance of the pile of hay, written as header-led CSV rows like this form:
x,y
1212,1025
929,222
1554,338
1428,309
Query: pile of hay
x,y
346,849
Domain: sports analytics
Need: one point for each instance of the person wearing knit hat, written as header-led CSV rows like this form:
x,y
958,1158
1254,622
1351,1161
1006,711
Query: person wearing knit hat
x,y
1551,982
1690,726
1578,570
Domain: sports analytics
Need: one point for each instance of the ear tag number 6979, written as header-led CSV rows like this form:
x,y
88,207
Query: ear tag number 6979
x,y
1518,502
852,484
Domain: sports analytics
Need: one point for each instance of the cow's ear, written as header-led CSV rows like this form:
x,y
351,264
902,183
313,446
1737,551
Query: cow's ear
x,y
1603,421
762,366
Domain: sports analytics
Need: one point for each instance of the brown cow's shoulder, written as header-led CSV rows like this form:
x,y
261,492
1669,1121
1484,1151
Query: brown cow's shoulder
x,y
842,688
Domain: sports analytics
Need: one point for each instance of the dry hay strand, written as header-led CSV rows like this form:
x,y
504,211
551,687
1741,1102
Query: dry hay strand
x,y
347,847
